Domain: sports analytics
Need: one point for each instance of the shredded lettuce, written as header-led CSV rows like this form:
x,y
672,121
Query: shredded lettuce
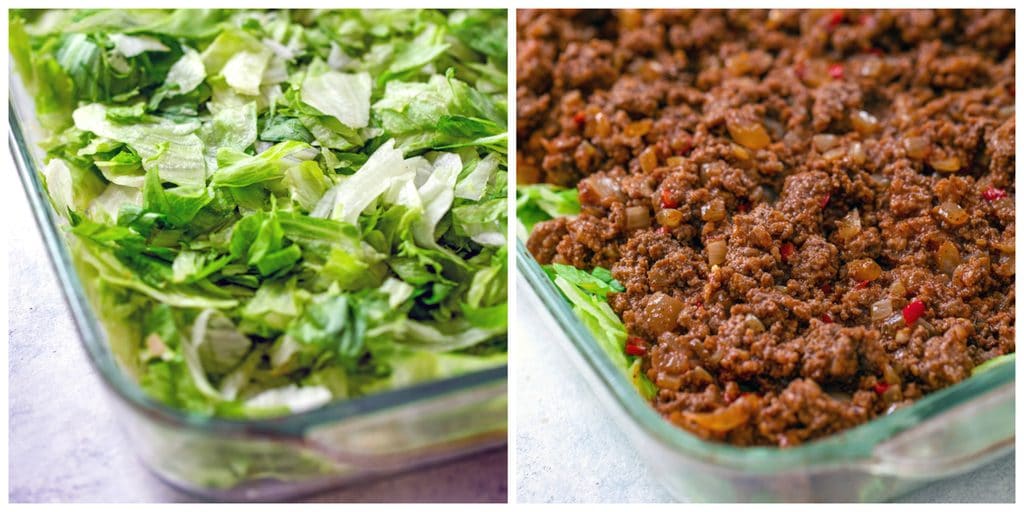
x,y
286,207
345,96
995,362
587,292
537,203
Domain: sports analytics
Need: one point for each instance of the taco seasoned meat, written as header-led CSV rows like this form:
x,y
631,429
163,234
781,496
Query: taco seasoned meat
x,y
811,211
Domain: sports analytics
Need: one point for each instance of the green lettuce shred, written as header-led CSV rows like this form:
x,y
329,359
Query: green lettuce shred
x,y
587,292
286,207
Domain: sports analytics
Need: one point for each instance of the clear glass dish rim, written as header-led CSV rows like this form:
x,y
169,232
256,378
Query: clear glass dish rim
x,y
94,340
851,446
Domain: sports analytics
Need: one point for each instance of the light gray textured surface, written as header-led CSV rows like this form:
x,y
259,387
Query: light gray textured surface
x,y
568,450
65,445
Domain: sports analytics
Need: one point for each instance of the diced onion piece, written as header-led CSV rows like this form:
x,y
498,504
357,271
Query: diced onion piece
x,y
892,394
662,313
894,322
824,142
947,257
863,122
603,127
723,419
599,189
754,324
714,210
751,135
637,217
834,154
857,153
927,326
891,377
917,147
738,64
813,72
864,269
740,152
651,70
1005,247
849,226
881,310
716,252
791,139
639,128
702,376
630,18
668,381
1005,266
949,164
897,289
953,213
669,217
648,159
871,66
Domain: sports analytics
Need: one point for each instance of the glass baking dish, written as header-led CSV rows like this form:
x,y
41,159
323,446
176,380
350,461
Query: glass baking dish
x,y
948,432
276,458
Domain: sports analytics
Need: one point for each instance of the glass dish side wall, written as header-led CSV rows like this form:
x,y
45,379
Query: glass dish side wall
x,y
277,458
253,465
948,432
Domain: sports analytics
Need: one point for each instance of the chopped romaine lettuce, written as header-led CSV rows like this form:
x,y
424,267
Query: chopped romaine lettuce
x,y
537,203
280,208
588,295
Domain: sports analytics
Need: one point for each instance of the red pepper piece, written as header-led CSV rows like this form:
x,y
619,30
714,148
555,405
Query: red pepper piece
x,y
861,285
827,288
827,318
881,387
992,194
699,303
825,200
665,230
877,52
836,18
913,311
667,201
634,346
836,71
580,119
787,251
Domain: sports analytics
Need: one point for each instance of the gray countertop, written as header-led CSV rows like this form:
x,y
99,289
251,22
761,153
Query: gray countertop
x,y
64,443
568,450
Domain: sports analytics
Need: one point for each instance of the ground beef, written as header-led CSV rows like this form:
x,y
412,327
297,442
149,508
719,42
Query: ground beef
x,y
853,162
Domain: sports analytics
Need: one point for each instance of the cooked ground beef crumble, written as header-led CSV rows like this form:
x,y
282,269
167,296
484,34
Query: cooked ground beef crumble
x,y
811,211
